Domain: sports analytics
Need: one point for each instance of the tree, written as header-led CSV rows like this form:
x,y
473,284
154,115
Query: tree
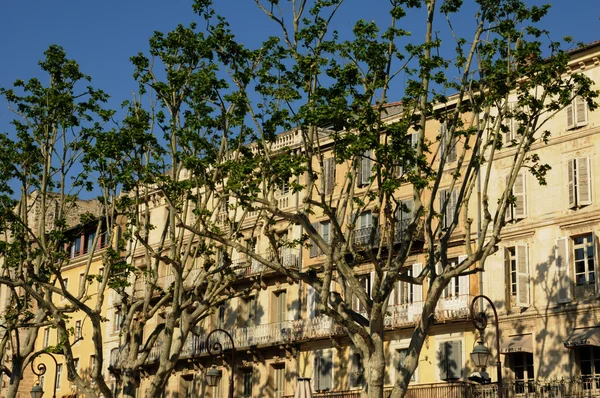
x,y
41,180
334,94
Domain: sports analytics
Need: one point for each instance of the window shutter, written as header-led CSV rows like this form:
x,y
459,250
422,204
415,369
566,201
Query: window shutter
x,y
314,249
329,171
443,196
523,299
580,111
417,289
364,168
563,269
596,244
414,140
584,187
508,124
282,306
463,280
571,182
326,370
508,214
455,362
520,194
570,112
443,139
443,355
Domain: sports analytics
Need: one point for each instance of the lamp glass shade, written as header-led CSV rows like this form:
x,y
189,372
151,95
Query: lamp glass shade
x,y
480,355
213,376
37,391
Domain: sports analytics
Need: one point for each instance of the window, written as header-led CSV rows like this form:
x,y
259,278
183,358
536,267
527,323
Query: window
x,y
279,306
278,381
364,234
324,229
578,276
512,123
516,259
583,255
329,173
448,203
313,298
77,329
247,383
247,314
365,166
92,366
76,366
356,377
365,281
323,370
75,247
81,284
284,188
408,293
517,208
221,316
447,144
457,286
576,113
521,363
411,140
400,355
404,214
450,359
117,320
59,368
46,337
589,366
579,180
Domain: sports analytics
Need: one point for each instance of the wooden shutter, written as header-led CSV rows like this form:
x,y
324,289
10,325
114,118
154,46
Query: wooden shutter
x,y
584,184
417,289
596,268
463,280
281,307
364,168
571,182
443,139
356,369
523,298
314,249
520,194
451,197
323,370
570,112
563,270
329,171
580,111
450,365
443,196
414,140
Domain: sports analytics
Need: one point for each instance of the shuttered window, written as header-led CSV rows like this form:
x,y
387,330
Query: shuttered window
x,y
511,123
579,182
323,370
449,199
356,376
365,166
312,300
518,276
576,113
404,214
517,208
450,360
314,249
584,259
278,381
563,270
365,282
399,357
279,306
329,172
447,144
247,387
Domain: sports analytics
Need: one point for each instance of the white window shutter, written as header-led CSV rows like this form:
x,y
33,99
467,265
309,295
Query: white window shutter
x,y
508,136
596,268
329,172
314,249
571,182
463,280
370,288
523,298
580,111
570,112
443,195
520,194
584,183
508,214
514,121
563,270
417,289
414,140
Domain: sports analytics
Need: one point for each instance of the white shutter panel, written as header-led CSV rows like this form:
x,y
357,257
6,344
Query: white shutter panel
x,y
521,254
463,280
359,174
329,171
417,289
563,270
443,195
370,285
314,249
414,140
520,193
596,247
571,182
580,112
570,112
508,214
508,124
443,139
584,186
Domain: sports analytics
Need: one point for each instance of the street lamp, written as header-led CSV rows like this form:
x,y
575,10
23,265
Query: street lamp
x,y
37,390
213,375
481,353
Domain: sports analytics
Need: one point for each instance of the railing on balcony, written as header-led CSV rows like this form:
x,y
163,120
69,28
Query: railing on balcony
x,y
313,328
366,236
247,266
446,390
578,387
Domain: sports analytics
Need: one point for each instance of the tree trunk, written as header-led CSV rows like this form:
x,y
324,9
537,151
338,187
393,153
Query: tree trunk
x,y
375,370
15,378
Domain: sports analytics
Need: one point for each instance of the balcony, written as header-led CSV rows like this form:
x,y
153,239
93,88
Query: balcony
x,y
366,237
588,387
319,327
245,267
446,390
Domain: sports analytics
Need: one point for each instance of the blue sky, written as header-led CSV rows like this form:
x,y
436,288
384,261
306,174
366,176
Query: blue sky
x,y
102,35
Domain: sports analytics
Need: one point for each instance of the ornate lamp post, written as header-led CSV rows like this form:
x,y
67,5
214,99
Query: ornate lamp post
x,y
213,375
37,391
481,353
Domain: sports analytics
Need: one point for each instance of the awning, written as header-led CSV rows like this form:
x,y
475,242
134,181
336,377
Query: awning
x,y
520,343
582,337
